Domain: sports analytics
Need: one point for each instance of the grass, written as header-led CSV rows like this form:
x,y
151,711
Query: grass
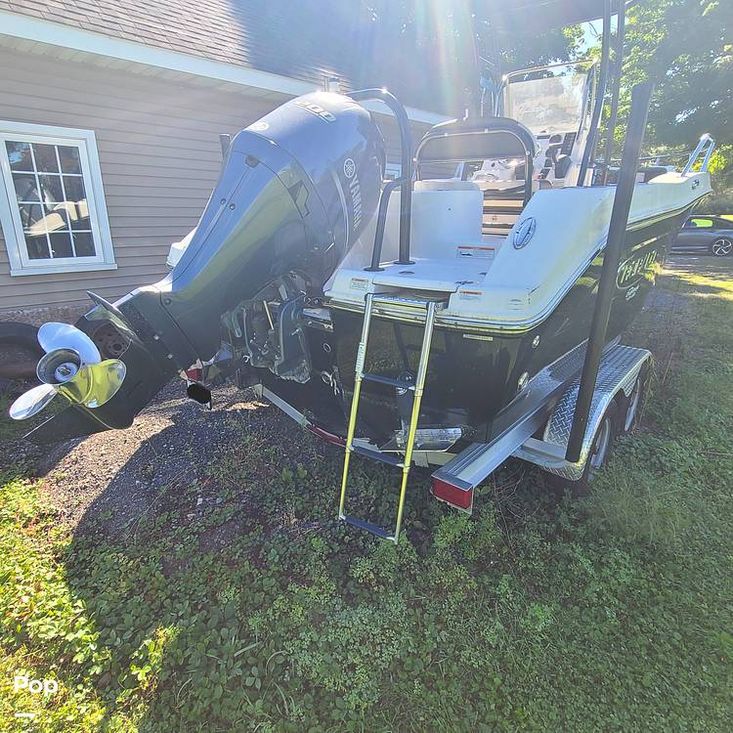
x,y
539,613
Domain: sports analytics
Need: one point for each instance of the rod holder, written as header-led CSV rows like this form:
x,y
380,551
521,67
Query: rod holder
x,y
640,98
225,140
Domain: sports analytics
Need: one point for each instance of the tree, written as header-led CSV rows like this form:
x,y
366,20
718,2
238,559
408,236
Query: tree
x,y
686,48
436,46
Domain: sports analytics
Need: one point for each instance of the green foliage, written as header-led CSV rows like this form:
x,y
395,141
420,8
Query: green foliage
x,y
444,37
685,47
262,613
721,203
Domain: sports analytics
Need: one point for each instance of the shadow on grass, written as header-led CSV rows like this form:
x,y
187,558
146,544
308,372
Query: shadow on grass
x,y
181,580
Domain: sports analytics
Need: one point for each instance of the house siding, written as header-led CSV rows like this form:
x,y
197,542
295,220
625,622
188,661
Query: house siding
x,y
159,153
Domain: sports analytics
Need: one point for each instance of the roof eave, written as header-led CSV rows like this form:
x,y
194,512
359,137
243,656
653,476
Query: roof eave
x,y
77,39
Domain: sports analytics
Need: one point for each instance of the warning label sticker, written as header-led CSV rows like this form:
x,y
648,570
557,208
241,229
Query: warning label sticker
x,y
358,283
476,251
469,294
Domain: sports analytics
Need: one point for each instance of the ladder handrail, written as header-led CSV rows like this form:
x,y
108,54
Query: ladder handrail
x,y
387,191
417,393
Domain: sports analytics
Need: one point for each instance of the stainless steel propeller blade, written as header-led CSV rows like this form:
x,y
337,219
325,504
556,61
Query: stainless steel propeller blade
x,y
94,384
32,401
54,336
71,367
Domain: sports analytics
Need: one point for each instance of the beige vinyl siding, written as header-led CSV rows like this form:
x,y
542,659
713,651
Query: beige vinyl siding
x,y
159,152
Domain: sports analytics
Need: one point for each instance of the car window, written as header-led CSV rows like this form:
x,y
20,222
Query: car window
x,y
700,223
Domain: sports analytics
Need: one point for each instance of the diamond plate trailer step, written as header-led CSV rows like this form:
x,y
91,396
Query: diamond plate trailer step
x,y
618,371
548,400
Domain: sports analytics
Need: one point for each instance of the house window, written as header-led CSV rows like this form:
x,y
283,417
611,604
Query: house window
x,y
52,207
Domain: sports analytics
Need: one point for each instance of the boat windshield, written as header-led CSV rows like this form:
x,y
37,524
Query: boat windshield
x,y
548,104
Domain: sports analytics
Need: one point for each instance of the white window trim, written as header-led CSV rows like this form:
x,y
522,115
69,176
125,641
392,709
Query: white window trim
x,y
20,264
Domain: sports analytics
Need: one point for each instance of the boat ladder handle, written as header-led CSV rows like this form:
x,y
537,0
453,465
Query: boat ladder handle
x,y
705,145
417,394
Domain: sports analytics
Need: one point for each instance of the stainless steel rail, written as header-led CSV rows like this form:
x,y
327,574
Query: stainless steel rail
x,y
705,145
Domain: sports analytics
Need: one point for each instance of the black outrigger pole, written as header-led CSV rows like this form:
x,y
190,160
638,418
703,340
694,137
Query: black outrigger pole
x,y
640,98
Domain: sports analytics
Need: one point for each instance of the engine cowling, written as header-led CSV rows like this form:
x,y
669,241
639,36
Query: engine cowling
x,y
296,189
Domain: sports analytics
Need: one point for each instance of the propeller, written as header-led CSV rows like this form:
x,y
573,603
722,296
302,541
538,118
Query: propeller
x,y
72,367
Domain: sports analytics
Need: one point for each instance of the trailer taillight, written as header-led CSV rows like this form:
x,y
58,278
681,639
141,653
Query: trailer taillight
x,y
460,497
325,435
195,374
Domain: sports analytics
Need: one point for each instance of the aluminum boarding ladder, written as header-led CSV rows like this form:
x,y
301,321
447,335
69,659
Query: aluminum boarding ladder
x,y
428,307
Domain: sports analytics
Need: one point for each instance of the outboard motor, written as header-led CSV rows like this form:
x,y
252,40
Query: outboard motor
x,y
296,190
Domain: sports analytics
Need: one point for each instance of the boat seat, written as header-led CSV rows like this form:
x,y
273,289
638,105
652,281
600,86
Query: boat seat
x,y
481,139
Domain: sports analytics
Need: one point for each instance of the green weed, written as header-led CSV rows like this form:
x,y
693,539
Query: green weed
x,y
260,612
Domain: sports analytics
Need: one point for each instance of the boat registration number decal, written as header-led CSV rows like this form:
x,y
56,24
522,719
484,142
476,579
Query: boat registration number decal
x,y
631,271
475,251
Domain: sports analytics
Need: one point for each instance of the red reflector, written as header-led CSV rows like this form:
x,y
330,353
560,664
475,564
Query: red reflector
x,y
328,437
194,375
453,495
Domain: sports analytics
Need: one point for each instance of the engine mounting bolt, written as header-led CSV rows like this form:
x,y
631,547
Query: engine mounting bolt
x,y
232,206
223,201
156,337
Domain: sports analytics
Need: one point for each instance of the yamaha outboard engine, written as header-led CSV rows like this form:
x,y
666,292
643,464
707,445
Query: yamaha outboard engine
x,y
296,189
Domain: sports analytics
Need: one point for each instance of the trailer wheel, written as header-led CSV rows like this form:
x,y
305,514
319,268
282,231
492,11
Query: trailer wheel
x,y
630,407
600,450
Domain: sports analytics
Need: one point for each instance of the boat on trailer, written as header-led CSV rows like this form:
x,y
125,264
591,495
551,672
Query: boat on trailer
x,y
468,311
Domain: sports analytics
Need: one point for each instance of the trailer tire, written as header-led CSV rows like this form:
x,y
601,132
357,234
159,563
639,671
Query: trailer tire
x,y
630,408
19,350
600,450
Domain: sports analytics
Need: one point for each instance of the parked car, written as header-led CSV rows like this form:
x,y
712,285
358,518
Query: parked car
x,y
710,234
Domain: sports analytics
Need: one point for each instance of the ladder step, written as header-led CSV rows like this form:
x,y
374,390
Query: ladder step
x,y
369,527
390,381
390,302
387,458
